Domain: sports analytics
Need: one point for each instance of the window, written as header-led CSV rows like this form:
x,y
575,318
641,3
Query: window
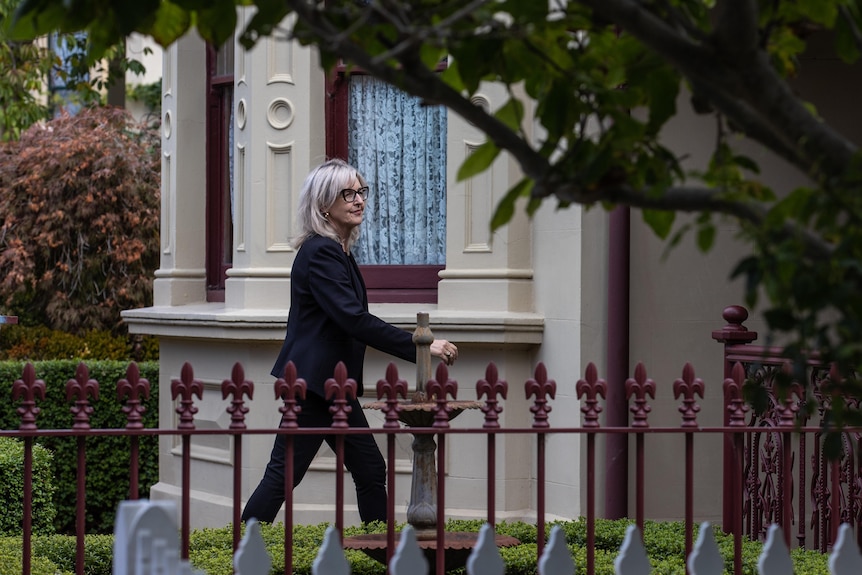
x,y
399,145
220,185
71,69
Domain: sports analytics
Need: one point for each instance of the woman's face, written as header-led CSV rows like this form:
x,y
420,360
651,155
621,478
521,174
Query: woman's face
x,y
344,215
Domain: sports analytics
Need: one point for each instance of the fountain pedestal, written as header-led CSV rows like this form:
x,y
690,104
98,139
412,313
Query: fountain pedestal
x,y
422,509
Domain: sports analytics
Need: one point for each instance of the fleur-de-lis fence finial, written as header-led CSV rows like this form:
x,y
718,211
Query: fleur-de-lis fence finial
x,y
340,389
540,387
236,387
136,388
390,388
186,387
687,387
288,388
491,387
78,388
640,386
591,387
733,400
439,388
30,389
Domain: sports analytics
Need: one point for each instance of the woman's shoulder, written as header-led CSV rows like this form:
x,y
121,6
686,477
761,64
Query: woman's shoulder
x,y
319,245
317,242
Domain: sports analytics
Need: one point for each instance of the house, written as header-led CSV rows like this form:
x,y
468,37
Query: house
x,y
240,130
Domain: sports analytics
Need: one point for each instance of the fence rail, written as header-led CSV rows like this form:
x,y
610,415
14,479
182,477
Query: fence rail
x,y
540,388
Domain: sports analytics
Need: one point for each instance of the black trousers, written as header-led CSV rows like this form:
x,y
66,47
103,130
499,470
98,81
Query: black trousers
x,y
361,457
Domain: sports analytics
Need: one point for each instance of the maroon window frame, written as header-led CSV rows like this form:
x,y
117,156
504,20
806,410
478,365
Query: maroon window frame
x,y
219,225
385,283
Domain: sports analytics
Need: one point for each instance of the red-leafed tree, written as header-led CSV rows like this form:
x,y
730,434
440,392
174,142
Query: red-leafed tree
x,y
79,220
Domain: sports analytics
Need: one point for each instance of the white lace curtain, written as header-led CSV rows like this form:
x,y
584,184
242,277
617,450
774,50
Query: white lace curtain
x,y
399,145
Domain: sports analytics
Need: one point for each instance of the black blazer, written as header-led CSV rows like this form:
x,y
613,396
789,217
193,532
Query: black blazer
x,y
329,319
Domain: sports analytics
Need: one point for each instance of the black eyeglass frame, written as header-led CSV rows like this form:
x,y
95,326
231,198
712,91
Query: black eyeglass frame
x,y
349,194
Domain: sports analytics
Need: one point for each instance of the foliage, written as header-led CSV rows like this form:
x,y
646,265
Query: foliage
x,y
575,70
30,65
12,486
60,550
11,549
26,66
18,342
211,550
107,456
149,94
79,240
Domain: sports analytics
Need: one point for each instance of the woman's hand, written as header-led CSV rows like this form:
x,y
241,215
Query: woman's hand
x,y
445,350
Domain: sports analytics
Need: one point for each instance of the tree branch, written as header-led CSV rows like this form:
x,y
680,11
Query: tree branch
x,y
736,31
416,79
695,200
425,84
749,92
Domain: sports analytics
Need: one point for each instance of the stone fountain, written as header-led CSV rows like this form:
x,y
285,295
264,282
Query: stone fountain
x,y
420,410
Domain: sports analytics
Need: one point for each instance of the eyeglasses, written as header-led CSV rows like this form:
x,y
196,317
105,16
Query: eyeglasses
x,y
350,195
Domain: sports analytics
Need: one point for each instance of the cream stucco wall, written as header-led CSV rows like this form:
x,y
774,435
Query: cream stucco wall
x,y
485,302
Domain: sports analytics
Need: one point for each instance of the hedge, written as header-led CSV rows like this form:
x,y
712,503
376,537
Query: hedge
x,y
107,457
210,550
12,486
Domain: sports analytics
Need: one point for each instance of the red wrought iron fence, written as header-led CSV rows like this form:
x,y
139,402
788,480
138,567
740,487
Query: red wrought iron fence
x,y
749,506
786,477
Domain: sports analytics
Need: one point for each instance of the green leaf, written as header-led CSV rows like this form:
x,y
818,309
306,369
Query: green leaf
x,y
819,11
705,237
663,88
746,163
452,76
170,23
217,24
845,42
660,221
478,161
35,18
431,56
506,208
511,114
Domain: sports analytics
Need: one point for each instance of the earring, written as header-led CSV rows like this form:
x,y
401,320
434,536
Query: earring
x,y
325,215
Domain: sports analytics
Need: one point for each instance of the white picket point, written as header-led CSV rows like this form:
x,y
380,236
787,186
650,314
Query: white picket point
x,y
146,543
775,558
485,558
845,558
330,558
556,558
705,558
408,559
632,559
251,558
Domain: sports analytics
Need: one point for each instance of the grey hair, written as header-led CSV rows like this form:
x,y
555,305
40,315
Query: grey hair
x,y
320,191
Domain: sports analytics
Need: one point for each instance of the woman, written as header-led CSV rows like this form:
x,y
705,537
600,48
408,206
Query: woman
x,y
329,322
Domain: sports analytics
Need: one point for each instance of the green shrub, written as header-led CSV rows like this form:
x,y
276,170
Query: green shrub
x,y
107,456
12,487
210,550
60,550
37,343
79,220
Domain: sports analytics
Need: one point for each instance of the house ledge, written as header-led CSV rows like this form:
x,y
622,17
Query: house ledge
x,y
215,321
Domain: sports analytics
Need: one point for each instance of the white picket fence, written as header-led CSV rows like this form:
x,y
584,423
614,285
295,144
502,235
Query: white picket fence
x,y
146,543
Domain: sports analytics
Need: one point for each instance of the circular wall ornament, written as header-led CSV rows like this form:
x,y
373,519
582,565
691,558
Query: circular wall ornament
x,y
280,113
240,114
166,125
482,102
